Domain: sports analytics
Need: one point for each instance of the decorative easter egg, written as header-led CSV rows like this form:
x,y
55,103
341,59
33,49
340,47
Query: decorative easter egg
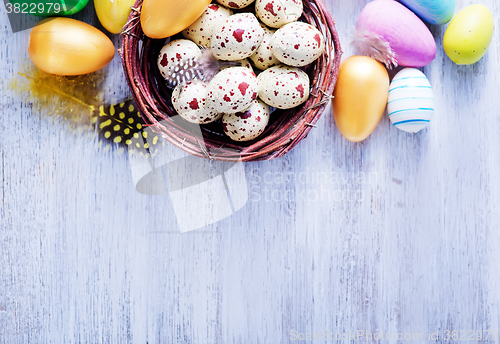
x,y
232,90
164,18
235,3
297,44
190,102
437,12
411,101
113,14
283,87
202,29
392,34
469,35
237,38
247,125
66,46
276,13
360,97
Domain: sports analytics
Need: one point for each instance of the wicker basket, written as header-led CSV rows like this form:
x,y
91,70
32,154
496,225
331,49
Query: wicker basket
x,y
286,127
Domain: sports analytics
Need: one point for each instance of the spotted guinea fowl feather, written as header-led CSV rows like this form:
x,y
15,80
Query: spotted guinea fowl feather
x,y
202,68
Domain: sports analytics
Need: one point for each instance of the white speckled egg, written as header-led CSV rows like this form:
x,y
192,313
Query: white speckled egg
x,y
283,87
243,63
411,100
263,58
247,125
174,53
297,44
202,29
232,90
235,3
276,13
190,102
237,38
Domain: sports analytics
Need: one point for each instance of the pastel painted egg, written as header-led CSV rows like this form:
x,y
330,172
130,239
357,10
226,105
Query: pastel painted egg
x,y
66,46
249,124
237,38
437,12
411,100
360,97
469,35
392,34
202,29
164,18
190,102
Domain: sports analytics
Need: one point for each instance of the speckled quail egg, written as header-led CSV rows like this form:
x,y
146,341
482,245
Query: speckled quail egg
x,y
237,38
202,29
297,44
243,63
235,3
232,90
276,13
175,53
283,87
248,124
263,58
190,102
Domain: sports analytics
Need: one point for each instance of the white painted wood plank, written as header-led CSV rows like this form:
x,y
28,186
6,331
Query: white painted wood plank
x,y
86,259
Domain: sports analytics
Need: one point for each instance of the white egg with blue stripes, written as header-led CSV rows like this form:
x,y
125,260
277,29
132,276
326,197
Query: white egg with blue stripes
x,y
411,100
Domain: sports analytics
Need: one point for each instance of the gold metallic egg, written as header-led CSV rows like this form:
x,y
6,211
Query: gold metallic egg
x,y
360,97
164,18
66,46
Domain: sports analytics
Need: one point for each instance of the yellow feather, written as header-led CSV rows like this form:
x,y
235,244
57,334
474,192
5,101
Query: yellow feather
x,y
71,100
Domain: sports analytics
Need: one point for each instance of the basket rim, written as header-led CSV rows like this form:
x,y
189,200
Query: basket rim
x,y
281,136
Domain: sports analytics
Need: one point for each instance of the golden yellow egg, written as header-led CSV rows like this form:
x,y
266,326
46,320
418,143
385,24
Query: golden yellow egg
x,y
113,14
66,46
164,18
360,97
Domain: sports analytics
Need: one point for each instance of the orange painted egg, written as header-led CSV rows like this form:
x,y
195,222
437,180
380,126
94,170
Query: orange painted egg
x,y
66,46
360,97
164,18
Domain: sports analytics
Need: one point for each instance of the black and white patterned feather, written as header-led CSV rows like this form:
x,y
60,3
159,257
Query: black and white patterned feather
x,y
204,68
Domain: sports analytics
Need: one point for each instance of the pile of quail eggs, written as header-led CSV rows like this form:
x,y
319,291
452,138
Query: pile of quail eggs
x,y
276,46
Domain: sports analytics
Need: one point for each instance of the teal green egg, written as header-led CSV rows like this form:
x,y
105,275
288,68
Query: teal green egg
x,y
48,8
437,12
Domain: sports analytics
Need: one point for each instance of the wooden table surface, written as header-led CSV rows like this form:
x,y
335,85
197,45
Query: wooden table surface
x,y
397,234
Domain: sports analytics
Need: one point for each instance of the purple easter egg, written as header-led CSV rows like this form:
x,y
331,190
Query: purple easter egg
x,y
388,23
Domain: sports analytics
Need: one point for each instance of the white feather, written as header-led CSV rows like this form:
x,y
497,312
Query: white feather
x,y
373,45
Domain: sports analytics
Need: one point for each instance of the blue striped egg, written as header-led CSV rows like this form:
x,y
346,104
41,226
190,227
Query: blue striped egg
x,y
411,100
436,12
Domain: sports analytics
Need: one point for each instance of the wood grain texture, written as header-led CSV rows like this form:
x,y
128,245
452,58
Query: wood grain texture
x,y
399,233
